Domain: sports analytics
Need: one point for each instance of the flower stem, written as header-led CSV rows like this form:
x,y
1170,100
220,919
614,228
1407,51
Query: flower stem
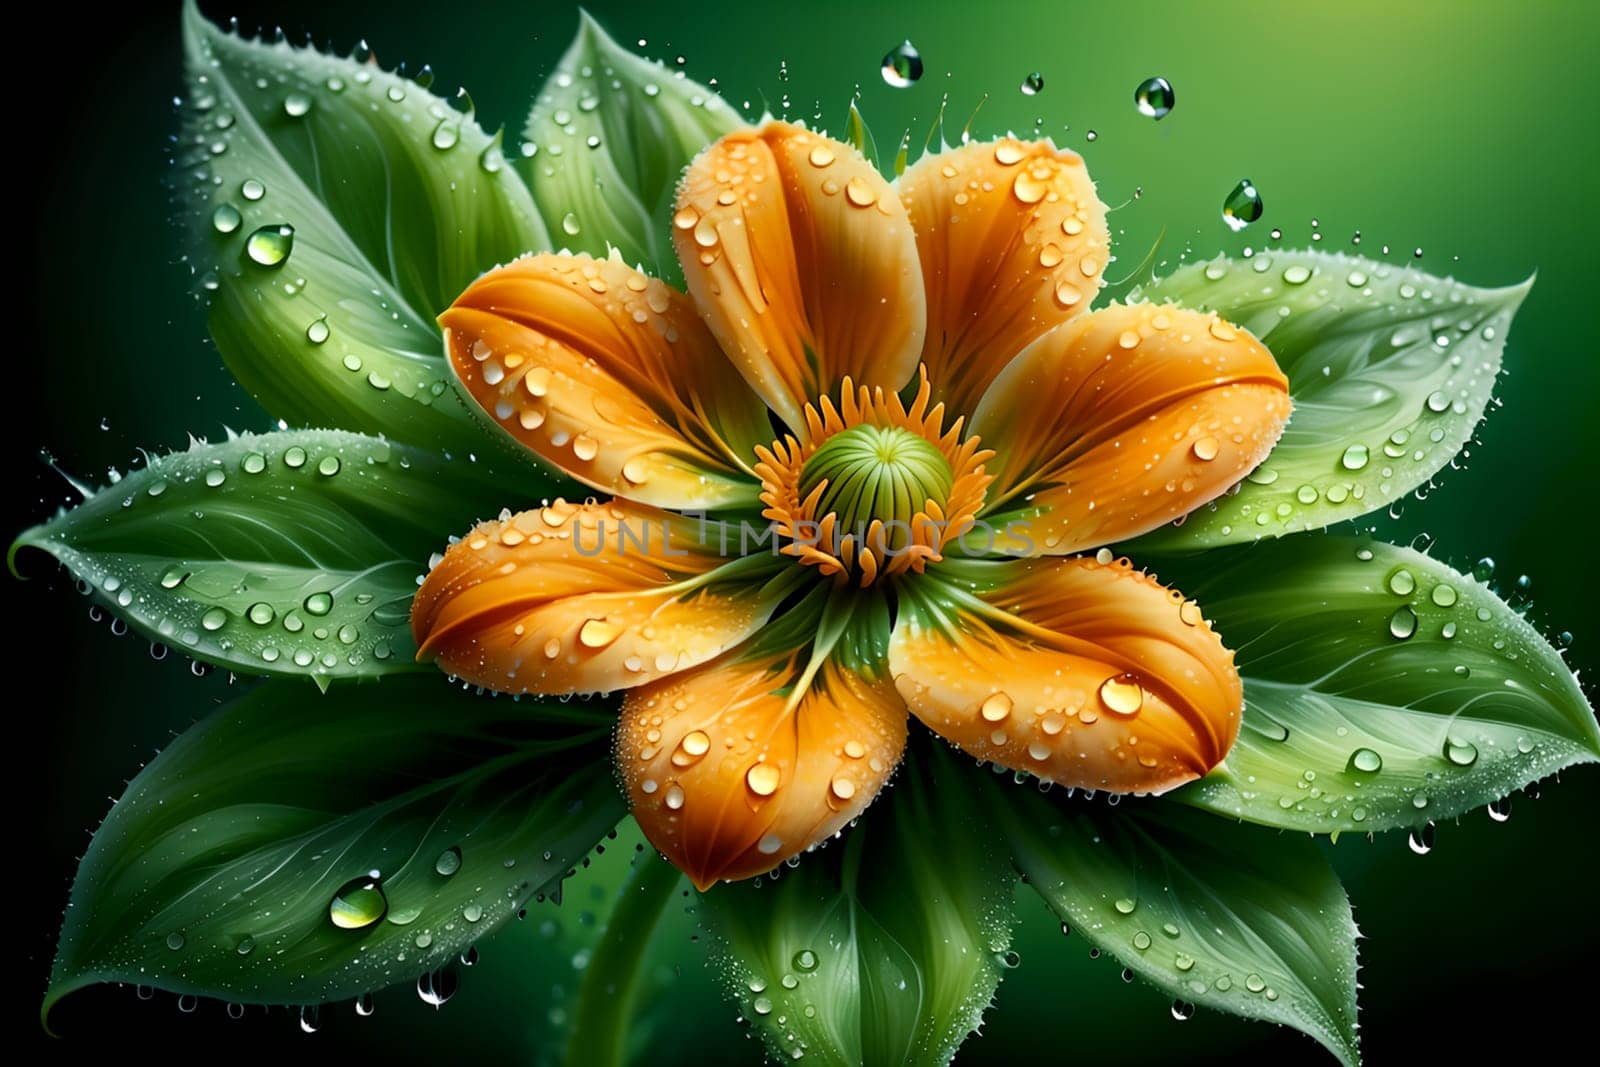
x,y
600,1026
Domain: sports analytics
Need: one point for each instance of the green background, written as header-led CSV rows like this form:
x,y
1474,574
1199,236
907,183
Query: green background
x,y
1460,128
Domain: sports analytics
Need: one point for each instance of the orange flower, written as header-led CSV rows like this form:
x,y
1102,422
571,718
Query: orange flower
x,y
909,541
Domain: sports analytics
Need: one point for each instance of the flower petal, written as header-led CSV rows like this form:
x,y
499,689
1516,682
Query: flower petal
x,y
1087,674
610,376
584,599
1125,419
731,771
802,260
1013,241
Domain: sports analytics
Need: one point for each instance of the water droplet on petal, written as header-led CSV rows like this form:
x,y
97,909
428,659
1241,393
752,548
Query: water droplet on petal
x,y
1122,694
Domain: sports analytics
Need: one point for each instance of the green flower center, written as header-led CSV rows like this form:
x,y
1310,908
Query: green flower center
x,y
877,472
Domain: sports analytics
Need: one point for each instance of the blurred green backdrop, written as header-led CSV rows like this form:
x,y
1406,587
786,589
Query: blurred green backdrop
x,y
1457,128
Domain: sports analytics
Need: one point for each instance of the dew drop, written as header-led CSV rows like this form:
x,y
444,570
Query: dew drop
x,y
359,903
226,218
1354,458
297,105
269,246
1122,695
1403,623
1460,753
1364,761
449,861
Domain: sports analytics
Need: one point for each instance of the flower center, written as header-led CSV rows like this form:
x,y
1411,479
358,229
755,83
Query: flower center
x,y
875,488
886,473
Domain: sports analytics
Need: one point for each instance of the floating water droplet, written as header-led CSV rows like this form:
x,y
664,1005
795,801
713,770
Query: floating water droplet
x,y
1420,840
1483,570
1154,98
1242,206
1033,84
436,987
902,66
359,903
364,1005
1500,810
269,246
1182,1010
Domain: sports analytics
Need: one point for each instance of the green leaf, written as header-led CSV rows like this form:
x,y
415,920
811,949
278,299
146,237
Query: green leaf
x,y
1473,704
1229,917
292,554
882,949
217,871
387,229
602,1025
1389,368
611,134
